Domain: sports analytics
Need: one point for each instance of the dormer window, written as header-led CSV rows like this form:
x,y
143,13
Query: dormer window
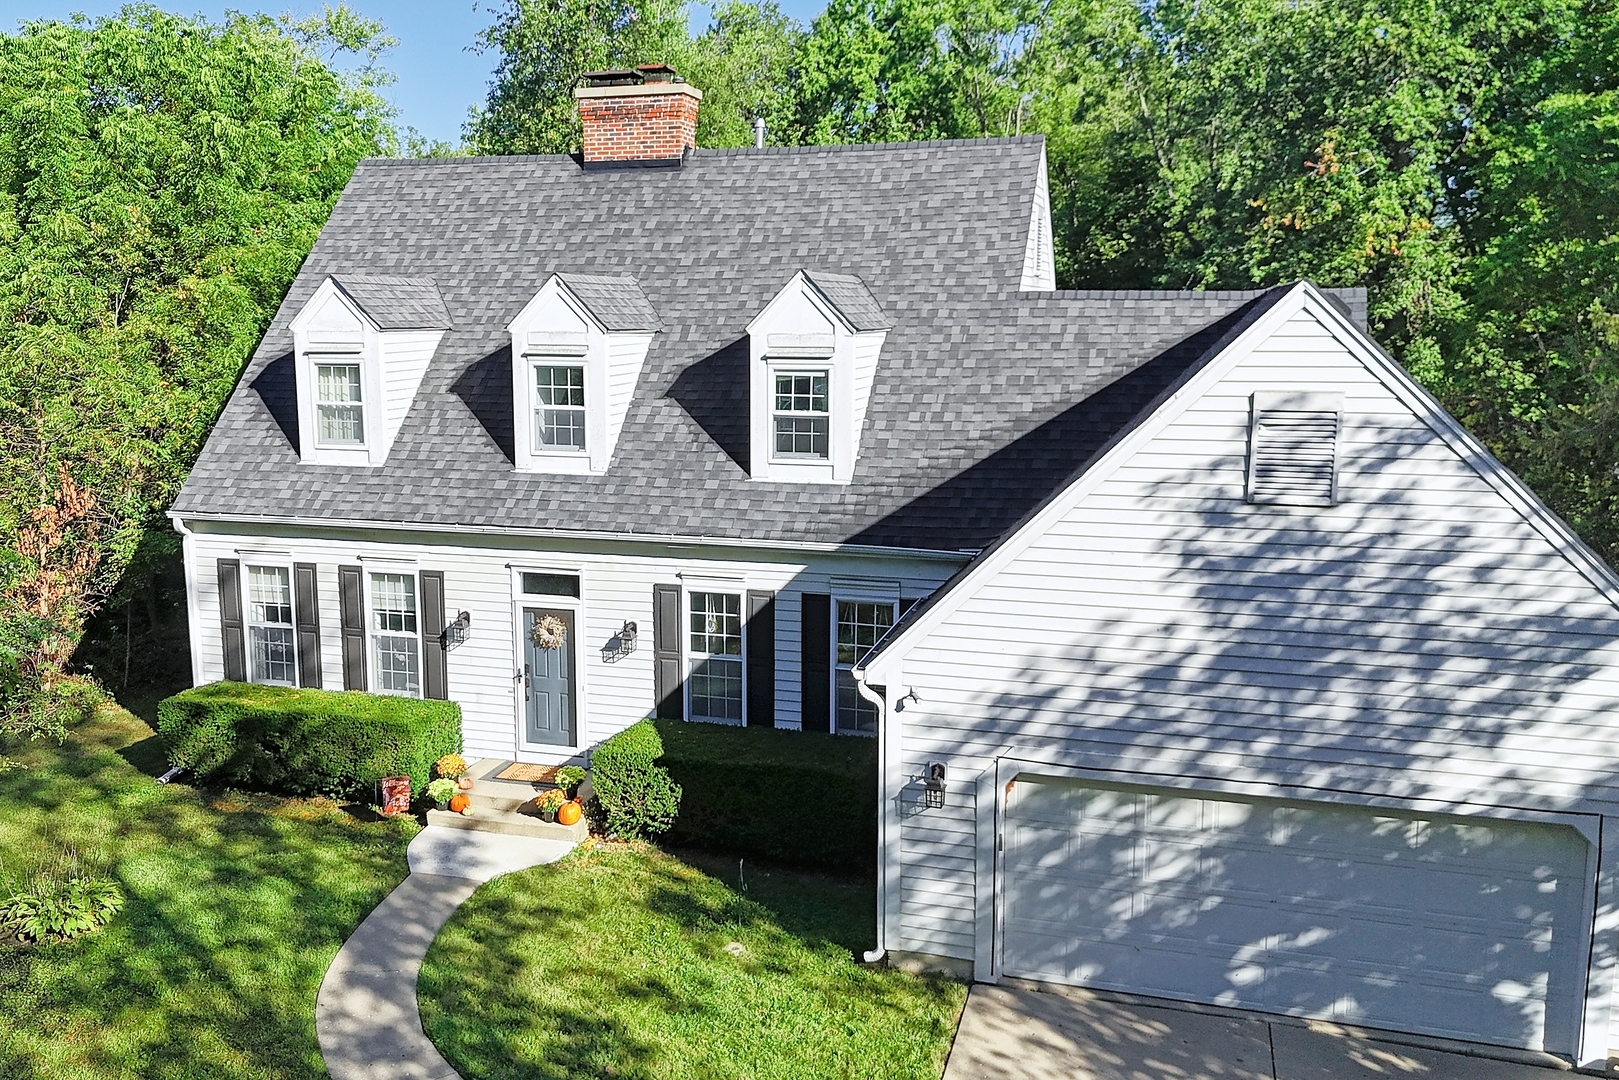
x,y
803,416
340,410
813,358
577,351
362,345
559,414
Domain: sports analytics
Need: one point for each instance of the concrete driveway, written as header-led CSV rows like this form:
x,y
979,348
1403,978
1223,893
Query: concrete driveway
x,y
1016,1033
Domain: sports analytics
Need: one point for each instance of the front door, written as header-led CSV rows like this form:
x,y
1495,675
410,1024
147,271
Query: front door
x,y
548,676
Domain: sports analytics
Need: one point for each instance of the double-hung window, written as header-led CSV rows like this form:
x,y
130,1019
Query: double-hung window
x,y
339,411
802,416
395,640
269,625
715,654
559,407
861,625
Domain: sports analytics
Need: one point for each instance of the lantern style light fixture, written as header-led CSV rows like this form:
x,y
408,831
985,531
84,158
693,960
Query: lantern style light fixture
x,y
620,644
933,786
457,632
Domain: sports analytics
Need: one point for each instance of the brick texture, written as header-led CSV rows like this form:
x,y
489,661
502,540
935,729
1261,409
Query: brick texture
x,y
641,128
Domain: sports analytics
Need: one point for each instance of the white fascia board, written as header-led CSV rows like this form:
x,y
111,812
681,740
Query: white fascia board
x,y
1302,297
325,290
670,539
554,283
801,283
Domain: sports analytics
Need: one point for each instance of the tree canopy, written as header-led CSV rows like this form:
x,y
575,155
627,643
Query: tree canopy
x,y
161,180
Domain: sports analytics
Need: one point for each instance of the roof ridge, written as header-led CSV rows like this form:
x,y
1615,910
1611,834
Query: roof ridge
x,y
723,151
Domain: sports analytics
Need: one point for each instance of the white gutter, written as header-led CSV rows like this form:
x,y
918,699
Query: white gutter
x,y
883,550
877,699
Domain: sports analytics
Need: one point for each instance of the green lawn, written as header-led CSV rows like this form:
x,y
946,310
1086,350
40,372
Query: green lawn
x,y
235,907
614,962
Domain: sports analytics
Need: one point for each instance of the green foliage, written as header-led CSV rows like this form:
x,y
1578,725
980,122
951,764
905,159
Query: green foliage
x,y
568,778
635,795
59,908
621,961
161,180
305,742
441,790
798,797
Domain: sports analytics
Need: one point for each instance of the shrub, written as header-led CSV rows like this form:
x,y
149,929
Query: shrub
x,y
794,796
305,742
636,796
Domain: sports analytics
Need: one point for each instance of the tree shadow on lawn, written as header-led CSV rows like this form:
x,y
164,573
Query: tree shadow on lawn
x,y
234,908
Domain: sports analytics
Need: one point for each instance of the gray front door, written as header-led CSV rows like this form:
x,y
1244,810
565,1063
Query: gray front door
x,y
548,682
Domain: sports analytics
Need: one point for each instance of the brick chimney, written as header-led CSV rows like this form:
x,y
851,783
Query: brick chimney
x,y
645,115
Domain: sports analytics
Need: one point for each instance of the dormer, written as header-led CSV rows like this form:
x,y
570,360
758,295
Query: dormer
x,y
362,344
813,354
577,351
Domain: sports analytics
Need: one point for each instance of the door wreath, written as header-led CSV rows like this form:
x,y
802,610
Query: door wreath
x,y
549,632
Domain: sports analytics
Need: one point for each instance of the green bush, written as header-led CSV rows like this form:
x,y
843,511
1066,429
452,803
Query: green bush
x,y
305,742
58,909
635,795
794,796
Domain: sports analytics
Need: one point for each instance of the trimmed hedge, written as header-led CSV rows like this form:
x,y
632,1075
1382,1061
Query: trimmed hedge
x,y
305,742
793,796
636,796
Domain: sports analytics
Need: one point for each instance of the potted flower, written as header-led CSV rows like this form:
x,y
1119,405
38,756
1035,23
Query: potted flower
x,y
569,778
441,791
548,802
454,767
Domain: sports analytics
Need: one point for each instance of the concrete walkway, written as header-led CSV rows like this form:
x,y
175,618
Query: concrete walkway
x,y
1012,1033
365,1014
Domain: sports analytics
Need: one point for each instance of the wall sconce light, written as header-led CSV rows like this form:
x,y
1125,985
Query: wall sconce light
x,y
933,786
620,644
910,696
458,631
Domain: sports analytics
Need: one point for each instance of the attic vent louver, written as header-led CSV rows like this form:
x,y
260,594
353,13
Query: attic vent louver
x,y
1293,449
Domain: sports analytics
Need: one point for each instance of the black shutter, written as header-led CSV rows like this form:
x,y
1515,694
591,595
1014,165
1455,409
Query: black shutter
x,y
306,616
761,659
351,600
230,620
816,642
667,685
435,668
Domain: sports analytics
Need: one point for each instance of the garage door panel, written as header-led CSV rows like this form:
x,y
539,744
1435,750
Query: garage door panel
x,y
1468,929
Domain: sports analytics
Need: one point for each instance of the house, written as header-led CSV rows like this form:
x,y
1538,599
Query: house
x,y
1208,658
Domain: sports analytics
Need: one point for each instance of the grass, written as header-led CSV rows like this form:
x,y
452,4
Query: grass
x,y
235,905
625,962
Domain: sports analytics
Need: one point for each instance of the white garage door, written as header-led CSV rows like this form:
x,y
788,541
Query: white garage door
x,y
1462,927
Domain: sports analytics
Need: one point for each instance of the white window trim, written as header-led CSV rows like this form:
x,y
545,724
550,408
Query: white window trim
x,y
373,679
875,594
534,360
732,587
789,368
548,754
244,584
318,358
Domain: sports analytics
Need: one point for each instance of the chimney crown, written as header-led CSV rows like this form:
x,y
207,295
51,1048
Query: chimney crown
x,y
644,114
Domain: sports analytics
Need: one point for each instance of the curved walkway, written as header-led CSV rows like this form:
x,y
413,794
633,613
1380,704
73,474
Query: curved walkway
x,y
365,1015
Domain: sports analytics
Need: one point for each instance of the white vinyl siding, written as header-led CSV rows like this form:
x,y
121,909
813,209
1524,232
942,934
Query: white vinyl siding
x,y
405,355
616,585
1419,640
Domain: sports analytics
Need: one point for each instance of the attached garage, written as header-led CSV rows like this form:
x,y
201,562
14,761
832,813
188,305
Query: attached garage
x,y
1469,928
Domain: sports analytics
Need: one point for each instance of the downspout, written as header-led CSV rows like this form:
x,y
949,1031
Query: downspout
x,y
880,701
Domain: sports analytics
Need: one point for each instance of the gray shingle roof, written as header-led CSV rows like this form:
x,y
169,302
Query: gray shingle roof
x,y
984,400
853,300
396,303
617,302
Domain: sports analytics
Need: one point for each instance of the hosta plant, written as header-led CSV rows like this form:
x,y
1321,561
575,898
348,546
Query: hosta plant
x,y
57,909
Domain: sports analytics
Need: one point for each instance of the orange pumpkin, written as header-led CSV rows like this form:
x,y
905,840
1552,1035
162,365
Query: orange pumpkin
x,y
459,803
568,813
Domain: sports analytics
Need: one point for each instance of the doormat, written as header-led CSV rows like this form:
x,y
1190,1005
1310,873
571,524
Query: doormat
x,y
530,774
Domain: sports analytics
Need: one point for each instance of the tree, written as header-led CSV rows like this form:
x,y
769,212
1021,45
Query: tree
x,y
161,180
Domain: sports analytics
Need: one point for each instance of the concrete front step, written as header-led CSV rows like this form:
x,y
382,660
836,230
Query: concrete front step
x,y
510,823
